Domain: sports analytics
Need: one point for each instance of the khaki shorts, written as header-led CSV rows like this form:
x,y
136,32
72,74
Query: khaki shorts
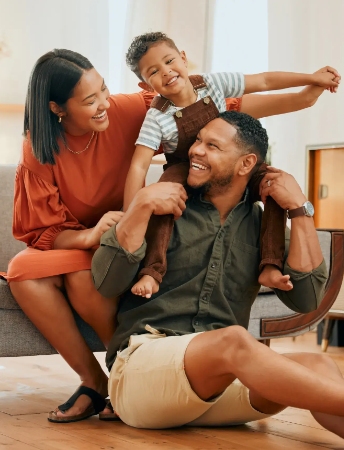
x,y
148,388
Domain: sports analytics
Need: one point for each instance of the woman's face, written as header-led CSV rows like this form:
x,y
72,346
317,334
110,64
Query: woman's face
x,y
86,110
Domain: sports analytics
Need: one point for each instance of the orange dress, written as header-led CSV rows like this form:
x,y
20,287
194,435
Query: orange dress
x,y
76,192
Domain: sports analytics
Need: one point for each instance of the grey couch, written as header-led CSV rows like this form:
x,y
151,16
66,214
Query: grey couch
x,y
269,317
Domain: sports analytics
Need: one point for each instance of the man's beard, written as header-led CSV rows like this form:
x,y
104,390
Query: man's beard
x,y
217,185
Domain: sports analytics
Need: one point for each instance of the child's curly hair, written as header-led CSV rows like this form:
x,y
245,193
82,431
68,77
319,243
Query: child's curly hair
x,y
141,44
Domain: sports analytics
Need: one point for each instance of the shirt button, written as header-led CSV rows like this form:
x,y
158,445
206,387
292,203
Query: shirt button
x,y
196,323
213,266
205,297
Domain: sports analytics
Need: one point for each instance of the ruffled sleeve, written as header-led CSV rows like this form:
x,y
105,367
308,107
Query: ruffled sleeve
x,y
148,97
38,215
233,104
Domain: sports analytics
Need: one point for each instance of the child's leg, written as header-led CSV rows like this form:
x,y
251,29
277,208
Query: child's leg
x,y
158,236
271,238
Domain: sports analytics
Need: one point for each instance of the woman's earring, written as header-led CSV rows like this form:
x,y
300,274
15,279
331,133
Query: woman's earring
x,y
60,119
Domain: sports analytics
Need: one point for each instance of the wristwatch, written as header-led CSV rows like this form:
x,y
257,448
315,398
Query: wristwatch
x,y
307,209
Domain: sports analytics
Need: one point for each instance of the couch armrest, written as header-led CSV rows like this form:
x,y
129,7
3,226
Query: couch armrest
x,y
296,323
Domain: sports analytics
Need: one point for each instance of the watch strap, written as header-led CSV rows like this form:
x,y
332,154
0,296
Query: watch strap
x,y
297,212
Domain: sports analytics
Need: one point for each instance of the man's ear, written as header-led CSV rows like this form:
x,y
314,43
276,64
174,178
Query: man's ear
x,y
247,164
145,86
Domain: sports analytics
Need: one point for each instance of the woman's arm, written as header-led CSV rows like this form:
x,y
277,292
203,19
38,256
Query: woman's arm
x,y
137,173
86,239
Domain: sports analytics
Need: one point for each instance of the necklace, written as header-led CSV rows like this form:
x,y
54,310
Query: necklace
x,y
195,92
81,151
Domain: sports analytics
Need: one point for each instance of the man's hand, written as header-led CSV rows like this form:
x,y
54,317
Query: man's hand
x,y
163,198
159,199
328,78
283,188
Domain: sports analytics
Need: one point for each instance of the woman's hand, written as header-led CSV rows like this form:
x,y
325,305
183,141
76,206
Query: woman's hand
x,y
107,221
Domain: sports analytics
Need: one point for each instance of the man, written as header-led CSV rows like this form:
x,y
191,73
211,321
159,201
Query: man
x,y
177,358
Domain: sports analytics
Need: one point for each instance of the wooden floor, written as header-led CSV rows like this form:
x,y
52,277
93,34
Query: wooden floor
x,y
31,386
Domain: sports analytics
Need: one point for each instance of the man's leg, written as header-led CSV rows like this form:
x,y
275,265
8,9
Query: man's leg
x,y
214,359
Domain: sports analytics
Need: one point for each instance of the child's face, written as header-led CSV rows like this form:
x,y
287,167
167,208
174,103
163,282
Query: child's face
x,y
164,69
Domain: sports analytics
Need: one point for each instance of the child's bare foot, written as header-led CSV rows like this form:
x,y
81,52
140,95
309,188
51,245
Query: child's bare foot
x,y
272,277
145,287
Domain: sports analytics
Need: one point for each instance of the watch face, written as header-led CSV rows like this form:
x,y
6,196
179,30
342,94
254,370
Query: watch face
x,y
309,209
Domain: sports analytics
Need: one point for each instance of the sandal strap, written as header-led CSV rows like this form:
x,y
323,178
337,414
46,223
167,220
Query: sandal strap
x,y
109,405
97,400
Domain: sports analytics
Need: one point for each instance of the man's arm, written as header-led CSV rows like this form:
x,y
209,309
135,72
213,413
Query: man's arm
x,y
304,263
115,263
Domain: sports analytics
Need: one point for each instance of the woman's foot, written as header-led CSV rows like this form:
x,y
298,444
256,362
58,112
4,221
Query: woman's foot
x,y
272,277
84,406
145,287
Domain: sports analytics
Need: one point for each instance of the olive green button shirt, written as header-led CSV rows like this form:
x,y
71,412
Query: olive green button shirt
x,y
211,280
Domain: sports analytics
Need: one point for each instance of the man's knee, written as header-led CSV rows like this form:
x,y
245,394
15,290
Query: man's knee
x,y
233,344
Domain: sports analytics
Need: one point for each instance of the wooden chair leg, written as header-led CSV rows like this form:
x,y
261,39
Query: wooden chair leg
x,y
326,334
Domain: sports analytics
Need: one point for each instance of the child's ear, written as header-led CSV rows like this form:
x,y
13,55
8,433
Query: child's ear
x,y
145,86
184,58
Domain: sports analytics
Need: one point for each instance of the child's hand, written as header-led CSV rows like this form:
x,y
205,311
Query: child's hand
x,y
328,78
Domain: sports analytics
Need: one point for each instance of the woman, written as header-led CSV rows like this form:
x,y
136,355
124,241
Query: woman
x,y
69,187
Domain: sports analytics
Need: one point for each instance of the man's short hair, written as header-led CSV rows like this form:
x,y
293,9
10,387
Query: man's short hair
x,y
250,137
140,46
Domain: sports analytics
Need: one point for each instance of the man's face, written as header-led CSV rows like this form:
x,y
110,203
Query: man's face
x,y
213,157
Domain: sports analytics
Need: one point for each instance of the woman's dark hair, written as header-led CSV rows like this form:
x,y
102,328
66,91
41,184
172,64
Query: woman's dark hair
x,y
140,46
53,78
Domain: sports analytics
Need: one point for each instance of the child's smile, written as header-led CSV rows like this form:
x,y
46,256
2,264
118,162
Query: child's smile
x,y
164,69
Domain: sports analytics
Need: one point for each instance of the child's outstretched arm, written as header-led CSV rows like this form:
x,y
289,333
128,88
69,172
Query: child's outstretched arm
x,y
259,106
137,173
269,81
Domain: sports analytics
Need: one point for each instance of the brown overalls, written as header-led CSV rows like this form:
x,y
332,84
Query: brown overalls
x,y
190,120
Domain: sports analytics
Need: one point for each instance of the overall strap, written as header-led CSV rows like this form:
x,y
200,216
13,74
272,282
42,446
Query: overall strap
x,y
162,103
197,81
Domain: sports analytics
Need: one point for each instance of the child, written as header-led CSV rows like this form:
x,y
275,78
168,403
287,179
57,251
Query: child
x,y
185,105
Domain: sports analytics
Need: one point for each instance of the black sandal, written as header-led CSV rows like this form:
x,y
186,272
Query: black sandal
x,y
108,416
98,404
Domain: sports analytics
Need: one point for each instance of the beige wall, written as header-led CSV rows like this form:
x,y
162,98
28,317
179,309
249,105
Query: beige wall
x,y
33,27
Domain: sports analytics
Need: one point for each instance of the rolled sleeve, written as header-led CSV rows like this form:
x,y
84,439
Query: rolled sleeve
x,y
113,267
150,133
308,290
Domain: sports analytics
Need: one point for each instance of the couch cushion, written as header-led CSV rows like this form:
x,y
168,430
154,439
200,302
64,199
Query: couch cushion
x,y
6,298
9,246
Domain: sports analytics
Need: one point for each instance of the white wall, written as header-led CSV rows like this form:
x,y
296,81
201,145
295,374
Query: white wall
x,y
240,42
303,37
187,22
33,27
